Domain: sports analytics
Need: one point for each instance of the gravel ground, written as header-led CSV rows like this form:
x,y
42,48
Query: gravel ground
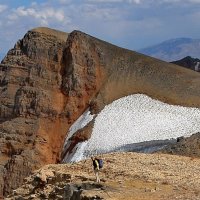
x,y
129,176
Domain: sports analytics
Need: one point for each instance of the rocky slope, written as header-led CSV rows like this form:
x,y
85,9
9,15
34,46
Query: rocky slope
x,y
189,62
50,78
124,176
188,146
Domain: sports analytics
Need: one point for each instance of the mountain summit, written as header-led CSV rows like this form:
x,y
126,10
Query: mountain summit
x,y
174,49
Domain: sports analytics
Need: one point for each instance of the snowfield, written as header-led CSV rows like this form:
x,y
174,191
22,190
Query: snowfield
x,y
134,119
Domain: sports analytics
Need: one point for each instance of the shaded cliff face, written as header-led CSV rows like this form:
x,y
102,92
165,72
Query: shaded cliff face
x,y
49,79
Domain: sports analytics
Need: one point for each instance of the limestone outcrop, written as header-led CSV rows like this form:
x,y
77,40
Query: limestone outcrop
x,y
50,78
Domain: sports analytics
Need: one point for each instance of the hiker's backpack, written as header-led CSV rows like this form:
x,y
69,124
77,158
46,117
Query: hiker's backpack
x,y
100,161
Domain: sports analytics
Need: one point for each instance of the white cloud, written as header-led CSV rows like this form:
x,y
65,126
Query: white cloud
x,y
43,16
33,3
194,1
93,12
64,1
3,8
176,1
104,1
143,1
134,1
114,1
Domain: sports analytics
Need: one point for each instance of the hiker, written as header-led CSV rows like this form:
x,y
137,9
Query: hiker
x,y
97,164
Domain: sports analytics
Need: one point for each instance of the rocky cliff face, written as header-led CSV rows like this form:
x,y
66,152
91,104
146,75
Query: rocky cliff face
x,y
31,100
43,90
49,79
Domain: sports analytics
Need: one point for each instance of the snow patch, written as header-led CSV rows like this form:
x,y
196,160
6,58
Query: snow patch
x,y
196,67
81,122
138,118
76,154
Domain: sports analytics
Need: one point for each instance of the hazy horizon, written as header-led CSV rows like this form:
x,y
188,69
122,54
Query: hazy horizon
x,y
132,24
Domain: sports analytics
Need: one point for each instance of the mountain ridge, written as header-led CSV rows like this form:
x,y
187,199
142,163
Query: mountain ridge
x,y
189,62
174,49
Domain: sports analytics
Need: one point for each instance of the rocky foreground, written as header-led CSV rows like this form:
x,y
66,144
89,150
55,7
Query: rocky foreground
x,y
124,176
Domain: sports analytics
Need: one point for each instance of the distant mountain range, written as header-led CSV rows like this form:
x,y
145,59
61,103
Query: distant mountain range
x,y
189,62
174,49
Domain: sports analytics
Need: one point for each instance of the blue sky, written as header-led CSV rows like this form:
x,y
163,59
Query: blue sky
x,y
132,24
